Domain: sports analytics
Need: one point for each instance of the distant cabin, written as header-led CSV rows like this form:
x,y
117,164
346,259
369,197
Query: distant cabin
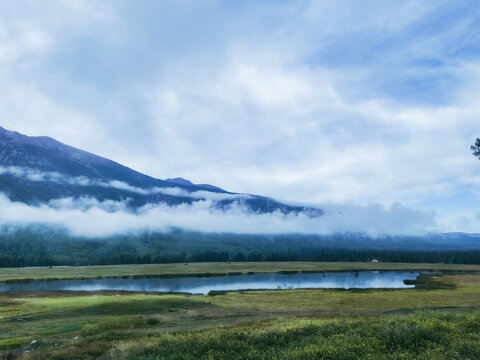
x,y
375,260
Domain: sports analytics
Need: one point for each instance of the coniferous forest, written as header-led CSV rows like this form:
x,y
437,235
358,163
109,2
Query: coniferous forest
x,y
47,247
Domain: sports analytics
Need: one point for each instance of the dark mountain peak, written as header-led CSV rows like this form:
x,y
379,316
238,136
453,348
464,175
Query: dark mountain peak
x,y
180,181
185,182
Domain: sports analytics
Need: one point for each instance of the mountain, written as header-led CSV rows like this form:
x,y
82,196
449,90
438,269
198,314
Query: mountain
x,y
49,155
35,170
185,182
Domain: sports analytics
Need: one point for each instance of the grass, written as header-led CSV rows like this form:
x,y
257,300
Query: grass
x,y
465,294
420,336
88,272
440,319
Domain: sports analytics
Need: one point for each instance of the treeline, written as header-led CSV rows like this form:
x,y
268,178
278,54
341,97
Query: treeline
x,y
42,246
343,255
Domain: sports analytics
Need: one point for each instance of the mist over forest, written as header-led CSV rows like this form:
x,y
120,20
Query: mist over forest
x,y
64,206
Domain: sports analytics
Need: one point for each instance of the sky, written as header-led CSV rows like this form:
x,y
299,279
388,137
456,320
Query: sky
x,y
352,103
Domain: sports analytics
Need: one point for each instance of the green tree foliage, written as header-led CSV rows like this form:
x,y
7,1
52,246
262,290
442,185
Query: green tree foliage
x,y
33,248
476,148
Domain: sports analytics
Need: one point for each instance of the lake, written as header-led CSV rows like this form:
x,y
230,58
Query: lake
x,y
203,285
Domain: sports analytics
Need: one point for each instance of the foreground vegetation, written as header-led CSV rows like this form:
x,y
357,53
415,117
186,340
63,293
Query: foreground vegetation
x,y
440,319
431,335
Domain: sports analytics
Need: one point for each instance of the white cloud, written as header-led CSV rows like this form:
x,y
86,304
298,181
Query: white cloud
x,y
90,218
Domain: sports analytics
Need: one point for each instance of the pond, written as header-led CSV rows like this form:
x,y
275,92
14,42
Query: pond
x,y
203,285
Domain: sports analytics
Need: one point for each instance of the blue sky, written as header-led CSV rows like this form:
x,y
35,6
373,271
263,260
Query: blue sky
x,y
351,102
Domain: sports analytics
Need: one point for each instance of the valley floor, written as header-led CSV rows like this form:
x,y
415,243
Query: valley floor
x,y
439,319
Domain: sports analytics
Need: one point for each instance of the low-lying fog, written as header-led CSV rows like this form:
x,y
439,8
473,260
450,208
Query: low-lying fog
x,y
91,218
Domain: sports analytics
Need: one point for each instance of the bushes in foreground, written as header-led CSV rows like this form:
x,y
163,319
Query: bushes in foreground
x,y
426,336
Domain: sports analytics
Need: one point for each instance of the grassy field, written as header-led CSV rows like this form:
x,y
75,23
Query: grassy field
x,y
86,272
427,336
440,319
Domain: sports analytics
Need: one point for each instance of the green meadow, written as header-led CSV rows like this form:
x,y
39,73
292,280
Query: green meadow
x,y
438,319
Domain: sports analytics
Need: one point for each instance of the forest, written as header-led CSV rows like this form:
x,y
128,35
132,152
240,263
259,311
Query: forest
x,y
49,247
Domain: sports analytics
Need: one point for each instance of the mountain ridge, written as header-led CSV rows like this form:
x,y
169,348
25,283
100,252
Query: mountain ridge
x,y
36,170
33,149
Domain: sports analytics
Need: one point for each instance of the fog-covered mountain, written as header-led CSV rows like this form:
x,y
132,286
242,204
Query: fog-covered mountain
x,y
61,205
36,170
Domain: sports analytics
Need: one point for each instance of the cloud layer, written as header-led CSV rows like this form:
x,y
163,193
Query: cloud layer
x,y
90,218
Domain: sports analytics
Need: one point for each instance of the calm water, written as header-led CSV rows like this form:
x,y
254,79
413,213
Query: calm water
x,y
199,285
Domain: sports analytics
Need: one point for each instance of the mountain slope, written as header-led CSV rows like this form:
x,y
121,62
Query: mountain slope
x,y
49,155
35,170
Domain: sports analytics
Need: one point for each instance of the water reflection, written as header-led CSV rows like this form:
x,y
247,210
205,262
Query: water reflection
x,y
203,285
